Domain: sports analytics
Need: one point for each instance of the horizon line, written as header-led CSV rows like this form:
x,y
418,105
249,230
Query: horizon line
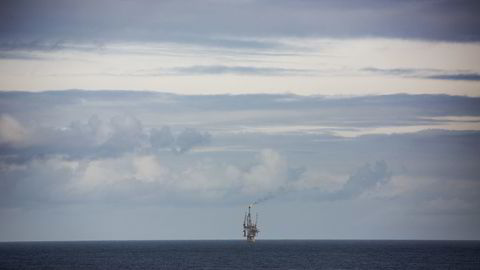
x,y
20,91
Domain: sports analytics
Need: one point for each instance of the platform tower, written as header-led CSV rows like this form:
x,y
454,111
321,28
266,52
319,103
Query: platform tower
x,y
249,226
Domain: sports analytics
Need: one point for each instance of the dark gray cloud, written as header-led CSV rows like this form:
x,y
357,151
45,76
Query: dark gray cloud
x,y
457,77
43,45
227,23
435,74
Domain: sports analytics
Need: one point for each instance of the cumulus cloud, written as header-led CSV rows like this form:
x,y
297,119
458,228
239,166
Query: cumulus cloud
x,y
128,178
94,138
144,177
126,133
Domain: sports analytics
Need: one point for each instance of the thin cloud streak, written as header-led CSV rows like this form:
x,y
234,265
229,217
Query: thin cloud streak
x,y
435,74
222,69
457,77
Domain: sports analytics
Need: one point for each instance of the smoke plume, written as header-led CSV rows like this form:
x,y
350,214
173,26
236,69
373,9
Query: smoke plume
x,y
272,195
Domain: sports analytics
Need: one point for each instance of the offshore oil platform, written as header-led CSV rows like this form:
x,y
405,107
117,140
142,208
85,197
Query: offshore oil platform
x,y
249,227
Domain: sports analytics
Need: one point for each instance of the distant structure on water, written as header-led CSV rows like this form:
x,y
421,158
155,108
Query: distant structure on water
x,y
249,227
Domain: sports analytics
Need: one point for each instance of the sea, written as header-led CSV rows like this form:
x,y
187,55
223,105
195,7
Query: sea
x,y
236,254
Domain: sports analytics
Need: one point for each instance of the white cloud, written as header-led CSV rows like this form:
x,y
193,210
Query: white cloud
x,y
148,169
269,174
104,173
11,131
137,176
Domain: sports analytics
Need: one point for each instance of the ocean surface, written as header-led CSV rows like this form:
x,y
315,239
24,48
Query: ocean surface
x,y
236,254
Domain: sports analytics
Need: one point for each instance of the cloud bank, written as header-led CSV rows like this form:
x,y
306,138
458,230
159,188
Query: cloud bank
x,y
214,159
215,22
332,157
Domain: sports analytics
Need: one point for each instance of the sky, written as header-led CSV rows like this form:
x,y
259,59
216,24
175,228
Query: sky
x,y
218,46
165,119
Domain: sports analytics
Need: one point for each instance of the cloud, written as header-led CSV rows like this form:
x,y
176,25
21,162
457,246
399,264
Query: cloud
x,y
183,142
240,70
17,55
189,138
11,131
93,138
457,77
434,74
131,152
270,174
322,186
151,151
214,23
200,70
162,139
396,71
252,113
363,179
271,178
317,171
47,46
136,178
145,178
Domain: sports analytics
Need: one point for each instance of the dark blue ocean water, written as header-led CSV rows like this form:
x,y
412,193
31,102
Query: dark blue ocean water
x,y
264,254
